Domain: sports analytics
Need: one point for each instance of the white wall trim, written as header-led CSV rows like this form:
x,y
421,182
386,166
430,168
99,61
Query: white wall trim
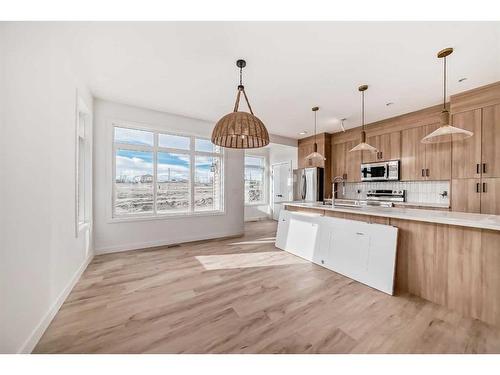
x,y
39,330
145,245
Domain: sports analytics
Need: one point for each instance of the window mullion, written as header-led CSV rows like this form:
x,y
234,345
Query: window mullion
x,y
192,172
155,172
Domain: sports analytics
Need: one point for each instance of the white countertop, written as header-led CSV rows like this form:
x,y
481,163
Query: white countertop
x,y
463,219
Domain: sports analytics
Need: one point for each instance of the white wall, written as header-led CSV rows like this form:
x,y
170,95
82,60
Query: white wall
x,y
117,236
275,153
40,257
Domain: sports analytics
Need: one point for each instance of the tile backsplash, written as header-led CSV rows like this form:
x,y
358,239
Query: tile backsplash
x,y
422,192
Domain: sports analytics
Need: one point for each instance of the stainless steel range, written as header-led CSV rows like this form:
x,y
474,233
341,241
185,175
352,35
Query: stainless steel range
x,y
386,195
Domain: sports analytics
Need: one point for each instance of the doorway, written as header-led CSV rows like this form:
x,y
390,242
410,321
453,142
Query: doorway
x,y
281,186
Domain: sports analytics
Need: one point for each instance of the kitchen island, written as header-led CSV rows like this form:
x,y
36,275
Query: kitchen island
x,y
450,258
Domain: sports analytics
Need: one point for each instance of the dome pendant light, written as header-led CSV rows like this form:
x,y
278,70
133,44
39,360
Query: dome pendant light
x,y
315,155
363,146
444,132
240,129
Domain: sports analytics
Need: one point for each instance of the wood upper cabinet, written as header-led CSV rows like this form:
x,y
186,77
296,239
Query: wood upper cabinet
x,y
437,158
388,146
467,152
412,154
420,161
338,162
352,162
490,141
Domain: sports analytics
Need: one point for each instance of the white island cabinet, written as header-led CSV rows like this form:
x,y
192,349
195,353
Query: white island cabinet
x,y
361,251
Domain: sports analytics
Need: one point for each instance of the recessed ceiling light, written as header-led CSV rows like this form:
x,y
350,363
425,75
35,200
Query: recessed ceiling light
x,y
462,79
303,132
388,104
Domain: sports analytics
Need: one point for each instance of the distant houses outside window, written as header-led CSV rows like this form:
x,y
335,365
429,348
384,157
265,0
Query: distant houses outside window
x,y
159,174
255,171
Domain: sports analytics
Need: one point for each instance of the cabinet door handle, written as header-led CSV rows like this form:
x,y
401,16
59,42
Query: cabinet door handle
x,y
427,172
477,168
484,187
423,173
484,167
477,188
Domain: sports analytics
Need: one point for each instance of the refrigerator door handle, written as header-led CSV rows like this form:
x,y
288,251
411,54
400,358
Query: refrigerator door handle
x,y
304,186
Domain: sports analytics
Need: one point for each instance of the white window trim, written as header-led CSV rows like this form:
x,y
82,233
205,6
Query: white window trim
x,y
266,198
154,215
81,108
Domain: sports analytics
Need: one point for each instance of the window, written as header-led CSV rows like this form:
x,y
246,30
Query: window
x,y
255,170
161,174
83,165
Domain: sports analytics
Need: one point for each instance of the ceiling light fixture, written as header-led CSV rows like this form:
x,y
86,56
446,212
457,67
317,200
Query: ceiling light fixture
x,y
315,155
240,129
363,146
303,132
444,132
342,124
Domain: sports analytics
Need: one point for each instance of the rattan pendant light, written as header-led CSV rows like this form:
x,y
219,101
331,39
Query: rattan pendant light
x,y
315,155
363,146
240,129
445,132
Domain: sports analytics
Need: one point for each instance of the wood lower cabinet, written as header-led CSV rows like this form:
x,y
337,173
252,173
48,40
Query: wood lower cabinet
x,y
490,196
490,142
388,146
476,195
466,195
467,152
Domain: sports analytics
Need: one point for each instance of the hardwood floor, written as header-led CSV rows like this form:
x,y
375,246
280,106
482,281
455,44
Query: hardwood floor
x,y
245,296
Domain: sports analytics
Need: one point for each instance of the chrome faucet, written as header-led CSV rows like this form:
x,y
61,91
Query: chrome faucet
x,y
335,181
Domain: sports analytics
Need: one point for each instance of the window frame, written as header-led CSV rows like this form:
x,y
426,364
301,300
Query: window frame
x,y
82,134
265,201
155,215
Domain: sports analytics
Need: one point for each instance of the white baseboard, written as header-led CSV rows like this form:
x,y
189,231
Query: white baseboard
x,y
145,245
37,333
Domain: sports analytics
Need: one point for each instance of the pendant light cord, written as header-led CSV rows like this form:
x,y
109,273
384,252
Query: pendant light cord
x,y
241,75
444,85
315,127
363,110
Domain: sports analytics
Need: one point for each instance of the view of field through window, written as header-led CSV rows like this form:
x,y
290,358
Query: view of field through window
x,y
175,164
254,179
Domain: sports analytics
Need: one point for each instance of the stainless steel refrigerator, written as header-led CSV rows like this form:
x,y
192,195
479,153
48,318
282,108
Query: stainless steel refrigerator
x,y
308,184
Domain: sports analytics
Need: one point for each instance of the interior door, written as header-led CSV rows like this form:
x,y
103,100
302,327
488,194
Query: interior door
x,y
281,186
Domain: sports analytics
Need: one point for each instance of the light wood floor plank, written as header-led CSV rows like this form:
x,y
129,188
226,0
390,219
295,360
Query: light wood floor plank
x,y
245,296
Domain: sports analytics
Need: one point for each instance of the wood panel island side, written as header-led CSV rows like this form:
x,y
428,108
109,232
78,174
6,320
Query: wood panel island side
x,y
449,258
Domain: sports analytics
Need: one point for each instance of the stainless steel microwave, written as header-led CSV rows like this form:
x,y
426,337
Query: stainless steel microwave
x,y
382,171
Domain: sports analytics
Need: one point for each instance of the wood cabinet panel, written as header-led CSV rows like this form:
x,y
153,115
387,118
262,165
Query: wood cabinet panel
x,y
490,196
338,162
467,153
388,146
412,154
490,288
437,158
465,195
490,141
352,162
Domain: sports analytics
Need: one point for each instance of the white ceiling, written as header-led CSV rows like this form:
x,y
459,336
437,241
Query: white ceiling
x,y
188,68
